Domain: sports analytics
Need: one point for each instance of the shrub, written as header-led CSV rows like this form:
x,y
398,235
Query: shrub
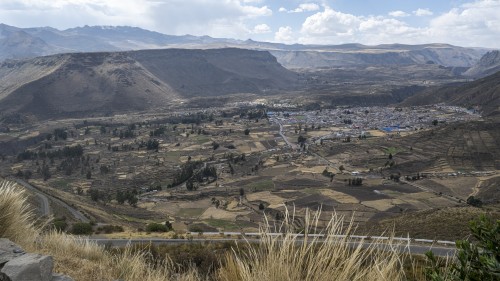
x,y
60,225
81,228
110,229
157,227
475,261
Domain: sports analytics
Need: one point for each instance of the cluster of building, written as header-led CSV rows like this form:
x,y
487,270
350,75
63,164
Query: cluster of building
x,y
356,121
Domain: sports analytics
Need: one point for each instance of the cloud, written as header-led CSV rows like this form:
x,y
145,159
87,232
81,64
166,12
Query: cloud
x,y
423,12
261,29
334,27
306,7
472,24
284,35
282,9
398,14
330,22
228,18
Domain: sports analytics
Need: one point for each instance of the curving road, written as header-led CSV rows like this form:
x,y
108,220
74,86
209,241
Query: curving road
x,y
45,201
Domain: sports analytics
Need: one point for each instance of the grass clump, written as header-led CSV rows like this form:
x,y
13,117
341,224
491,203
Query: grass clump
x,y
75,256
16,219
292,256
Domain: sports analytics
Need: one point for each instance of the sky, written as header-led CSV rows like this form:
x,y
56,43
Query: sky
x,y
468,23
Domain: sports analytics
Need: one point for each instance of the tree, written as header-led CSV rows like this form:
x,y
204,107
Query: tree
x,y
247,132
132,199
89,175
261,206
242,193
215,145
390,155
120,197
474,202
94,194
435,122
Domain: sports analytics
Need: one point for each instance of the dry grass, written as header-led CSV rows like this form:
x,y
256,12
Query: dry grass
x,y
16,220
78,257
314,259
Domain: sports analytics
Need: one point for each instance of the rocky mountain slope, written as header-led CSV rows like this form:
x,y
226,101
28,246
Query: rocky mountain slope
x,y
101,83
487,65
46,40
483,94
16,44
395,54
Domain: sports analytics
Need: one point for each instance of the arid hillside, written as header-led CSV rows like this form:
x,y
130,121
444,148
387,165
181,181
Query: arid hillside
x,y
105,83
484,94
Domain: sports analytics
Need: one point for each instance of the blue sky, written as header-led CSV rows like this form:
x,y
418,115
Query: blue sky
x,y
471,23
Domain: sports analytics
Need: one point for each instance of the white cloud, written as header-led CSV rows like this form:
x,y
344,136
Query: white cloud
x,y
261,29
333,27
423,12
227,18
284,35
398,14
305,7
282,9
472,24
330,22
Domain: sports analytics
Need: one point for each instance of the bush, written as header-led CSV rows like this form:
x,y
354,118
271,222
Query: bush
x,y
60,224
110,229
81,228
476,261
158,227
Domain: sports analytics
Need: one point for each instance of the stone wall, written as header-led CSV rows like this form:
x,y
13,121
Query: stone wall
x,y
17,265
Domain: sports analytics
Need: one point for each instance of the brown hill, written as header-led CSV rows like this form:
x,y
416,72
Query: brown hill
x,y
101,83
482,93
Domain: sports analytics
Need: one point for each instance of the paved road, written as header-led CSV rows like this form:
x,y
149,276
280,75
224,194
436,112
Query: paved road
x,y
79,216
44,200
413,249
284,137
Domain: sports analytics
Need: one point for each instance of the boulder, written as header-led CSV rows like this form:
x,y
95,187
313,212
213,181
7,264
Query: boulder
x,y
17,265
8,251
29,267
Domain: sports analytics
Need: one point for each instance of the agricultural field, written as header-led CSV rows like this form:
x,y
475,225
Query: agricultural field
x,y
231,169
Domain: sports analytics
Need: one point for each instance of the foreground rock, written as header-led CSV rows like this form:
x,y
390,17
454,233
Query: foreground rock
x,y
16,265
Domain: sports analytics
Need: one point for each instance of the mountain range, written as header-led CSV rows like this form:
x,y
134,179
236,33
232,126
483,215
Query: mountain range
x,y
18,43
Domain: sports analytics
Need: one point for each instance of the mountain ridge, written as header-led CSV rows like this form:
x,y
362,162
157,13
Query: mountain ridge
x,y
101,83
124,38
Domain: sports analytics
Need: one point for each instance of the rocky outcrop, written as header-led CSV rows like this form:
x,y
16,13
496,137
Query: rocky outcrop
x,y
17,265
487,65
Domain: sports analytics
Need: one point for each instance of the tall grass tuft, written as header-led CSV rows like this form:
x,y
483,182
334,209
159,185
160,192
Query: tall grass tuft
x,y
16,218
75,256
332,257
